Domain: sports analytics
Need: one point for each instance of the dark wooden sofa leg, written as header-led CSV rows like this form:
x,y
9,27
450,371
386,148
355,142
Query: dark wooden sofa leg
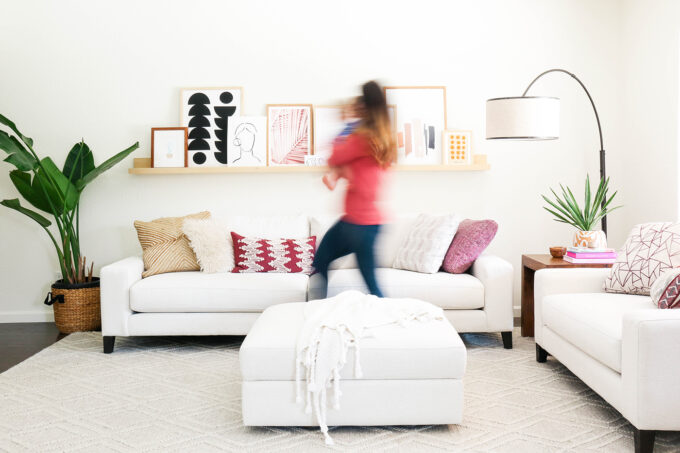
x,y
541,354
644,440
108,344
507,339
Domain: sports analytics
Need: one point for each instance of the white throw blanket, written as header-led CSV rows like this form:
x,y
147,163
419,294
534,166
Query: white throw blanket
x,y
334,325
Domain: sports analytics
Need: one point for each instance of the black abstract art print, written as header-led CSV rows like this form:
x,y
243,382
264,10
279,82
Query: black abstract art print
x,y
206,112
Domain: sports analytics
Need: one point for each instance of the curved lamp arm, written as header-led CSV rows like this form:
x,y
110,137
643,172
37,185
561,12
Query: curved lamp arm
x,y
603,173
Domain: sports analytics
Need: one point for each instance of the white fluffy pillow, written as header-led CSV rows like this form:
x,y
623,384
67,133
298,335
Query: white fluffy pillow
x,y
210,241
427,243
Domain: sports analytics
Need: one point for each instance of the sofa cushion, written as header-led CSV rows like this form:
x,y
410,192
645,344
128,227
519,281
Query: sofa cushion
x,y
286,256
392,235
592,322
196,292
471,239
426,243
448,291
419,351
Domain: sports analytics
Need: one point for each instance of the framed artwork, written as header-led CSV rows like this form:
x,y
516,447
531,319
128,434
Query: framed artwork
x,y
247,145
420,120
457,147
169,147
207,113
328,124
289,133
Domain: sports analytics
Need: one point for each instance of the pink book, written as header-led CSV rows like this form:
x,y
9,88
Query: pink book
x,y
569,259
592,255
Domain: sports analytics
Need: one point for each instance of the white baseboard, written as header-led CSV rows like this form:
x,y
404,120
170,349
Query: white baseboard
x,y
27,316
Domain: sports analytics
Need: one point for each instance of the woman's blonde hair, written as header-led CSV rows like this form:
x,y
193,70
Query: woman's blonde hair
x,y
376,124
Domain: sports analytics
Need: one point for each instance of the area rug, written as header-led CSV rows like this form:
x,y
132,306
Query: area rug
x,y
183,395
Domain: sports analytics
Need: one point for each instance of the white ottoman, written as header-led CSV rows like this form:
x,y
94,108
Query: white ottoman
x,y
411,375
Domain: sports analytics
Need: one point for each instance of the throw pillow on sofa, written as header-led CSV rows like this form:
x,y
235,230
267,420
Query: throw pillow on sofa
x,y
426,244
273,255
209,240
165,248
665,290
650,250
471,239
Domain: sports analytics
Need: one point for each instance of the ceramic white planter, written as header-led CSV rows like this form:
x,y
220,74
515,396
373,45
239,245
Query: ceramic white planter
x,y
591,239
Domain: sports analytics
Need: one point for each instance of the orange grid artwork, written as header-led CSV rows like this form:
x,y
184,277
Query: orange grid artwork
x,y
457,146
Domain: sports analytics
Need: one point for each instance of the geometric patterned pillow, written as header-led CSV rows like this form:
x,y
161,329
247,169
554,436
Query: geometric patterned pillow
x,y
165,248
650,250
273,255
665,291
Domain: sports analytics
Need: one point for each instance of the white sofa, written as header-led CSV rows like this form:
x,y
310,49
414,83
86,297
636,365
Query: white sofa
x,y
622,346
195,303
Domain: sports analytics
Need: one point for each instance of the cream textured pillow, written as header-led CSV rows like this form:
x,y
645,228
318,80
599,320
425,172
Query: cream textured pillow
x,y
208,239
427,243
650,250
165,247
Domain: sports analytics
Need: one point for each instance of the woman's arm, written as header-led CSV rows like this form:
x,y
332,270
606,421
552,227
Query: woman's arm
x,y
347,150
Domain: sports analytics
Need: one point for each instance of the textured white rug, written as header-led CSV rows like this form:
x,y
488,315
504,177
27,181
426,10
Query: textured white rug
x,y
183,395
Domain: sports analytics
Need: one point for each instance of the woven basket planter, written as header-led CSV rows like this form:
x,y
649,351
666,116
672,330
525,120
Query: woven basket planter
x,y
76,307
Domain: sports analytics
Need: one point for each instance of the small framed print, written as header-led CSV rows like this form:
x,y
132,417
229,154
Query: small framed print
x,y
169,147
457,147
289,133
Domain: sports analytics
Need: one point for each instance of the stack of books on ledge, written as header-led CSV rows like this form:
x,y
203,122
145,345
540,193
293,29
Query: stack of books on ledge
x,y
582,255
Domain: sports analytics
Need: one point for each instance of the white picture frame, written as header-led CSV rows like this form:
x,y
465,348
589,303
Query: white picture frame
x,y
247,145
419,123
328,124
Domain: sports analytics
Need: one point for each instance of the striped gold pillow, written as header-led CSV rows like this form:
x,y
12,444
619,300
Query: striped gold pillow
x,y
165,247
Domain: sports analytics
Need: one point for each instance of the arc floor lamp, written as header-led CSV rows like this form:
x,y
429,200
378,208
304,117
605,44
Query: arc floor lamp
x,y
534,118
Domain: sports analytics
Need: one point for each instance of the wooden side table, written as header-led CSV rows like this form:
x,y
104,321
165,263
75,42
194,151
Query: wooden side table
x,y
530,264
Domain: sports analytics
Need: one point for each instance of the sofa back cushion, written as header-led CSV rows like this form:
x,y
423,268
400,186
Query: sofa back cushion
x,y
426,243
165,248
650,250
665,290
471,239
282,256
392,234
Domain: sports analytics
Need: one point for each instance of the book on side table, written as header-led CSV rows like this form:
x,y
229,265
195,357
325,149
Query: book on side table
x,y
580,255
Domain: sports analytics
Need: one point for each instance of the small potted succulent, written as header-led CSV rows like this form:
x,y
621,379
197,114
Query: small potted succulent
x,y
566,209
57,192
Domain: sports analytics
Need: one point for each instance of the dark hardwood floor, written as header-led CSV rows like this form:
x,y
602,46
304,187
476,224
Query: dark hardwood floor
x,y
19,341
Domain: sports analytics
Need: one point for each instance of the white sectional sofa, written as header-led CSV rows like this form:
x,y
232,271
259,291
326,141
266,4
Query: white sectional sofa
x,y
196,303
624,347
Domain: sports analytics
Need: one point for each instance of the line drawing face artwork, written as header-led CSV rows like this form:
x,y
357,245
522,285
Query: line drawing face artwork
x,y
420,121
289,134
207,113
248,141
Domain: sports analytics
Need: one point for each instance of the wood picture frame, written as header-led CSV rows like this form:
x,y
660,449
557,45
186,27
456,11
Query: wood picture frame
x,y
208,136
168,163
418,107
291,157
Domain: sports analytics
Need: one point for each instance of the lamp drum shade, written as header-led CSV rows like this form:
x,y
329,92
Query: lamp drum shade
x,y
523,118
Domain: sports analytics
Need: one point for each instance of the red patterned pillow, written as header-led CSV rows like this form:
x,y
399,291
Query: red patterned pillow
x,y
665,290
273,255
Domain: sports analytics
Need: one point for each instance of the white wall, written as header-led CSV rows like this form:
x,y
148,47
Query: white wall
x,y
651,37
109,71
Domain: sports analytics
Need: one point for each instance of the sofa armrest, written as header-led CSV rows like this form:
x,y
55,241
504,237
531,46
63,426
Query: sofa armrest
x,y
116,280
497,277
563,281
650,366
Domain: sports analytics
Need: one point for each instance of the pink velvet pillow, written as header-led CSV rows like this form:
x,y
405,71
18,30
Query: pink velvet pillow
x,y
471,239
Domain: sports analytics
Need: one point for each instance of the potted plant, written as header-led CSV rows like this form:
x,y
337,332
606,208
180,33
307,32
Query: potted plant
x,y
57,193
567,210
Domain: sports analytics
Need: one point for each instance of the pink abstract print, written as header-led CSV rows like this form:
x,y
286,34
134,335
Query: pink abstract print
x,y
650,250
289,135
273,255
